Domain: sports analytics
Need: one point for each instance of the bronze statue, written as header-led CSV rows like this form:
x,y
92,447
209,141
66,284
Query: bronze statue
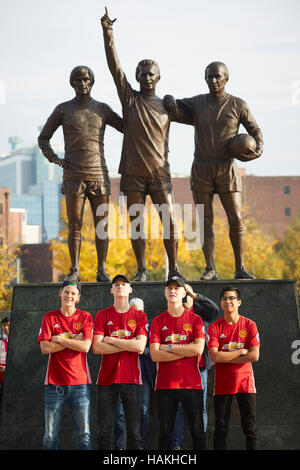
x,y
85,174
216,117
144,165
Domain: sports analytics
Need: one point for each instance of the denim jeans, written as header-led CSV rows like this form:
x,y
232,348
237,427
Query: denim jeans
x,y
120,425
107,397
55,399
192,402
247,406
179,422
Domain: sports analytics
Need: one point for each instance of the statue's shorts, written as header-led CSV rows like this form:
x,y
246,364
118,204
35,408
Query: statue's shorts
x,y
87,189
212,175
146,185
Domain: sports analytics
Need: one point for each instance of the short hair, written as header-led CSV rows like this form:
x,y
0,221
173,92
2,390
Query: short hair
x,y
146,62
218,63
5,320
230,288
82,68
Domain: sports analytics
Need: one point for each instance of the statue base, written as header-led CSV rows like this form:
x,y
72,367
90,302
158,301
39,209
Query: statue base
x,y
271,303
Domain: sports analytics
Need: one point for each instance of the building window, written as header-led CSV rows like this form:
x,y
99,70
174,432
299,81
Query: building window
x,y
287,211
287,190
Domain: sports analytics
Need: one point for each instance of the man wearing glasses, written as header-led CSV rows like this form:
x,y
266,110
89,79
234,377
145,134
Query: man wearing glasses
x,y
233,344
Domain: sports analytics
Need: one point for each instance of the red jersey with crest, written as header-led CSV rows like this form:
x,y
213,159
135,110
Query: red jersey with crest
x,y
67,367
3,354
166,329
122,367
233,378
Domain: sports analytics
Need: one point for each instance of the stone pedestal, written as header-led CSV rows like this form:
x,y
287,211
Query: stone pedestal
x,y
272,304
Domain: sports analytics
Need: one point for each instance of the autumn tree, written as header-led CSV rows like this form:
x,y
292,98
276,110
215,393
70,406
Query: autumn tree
x,y
288,249
8,274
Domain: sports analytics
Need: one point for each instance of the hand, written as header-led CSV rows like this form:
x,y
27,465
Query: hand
x,y
106,21
60,161
56,339
244,352
79,336
2,368
108,340
169,102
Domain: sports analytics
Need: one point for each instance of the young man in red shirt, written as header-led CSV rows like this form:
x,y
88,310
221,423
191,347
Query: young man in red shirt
x,y
233,344
3,352
66,335
177,340
120,335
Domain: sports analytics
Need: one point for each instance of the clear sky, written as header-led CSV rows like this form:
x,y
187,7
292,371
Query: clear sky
x,y
259,40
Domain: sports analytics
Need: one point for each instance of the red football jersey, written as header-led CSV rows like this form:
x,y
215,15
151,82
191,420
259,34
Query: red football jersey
x,y
3,353
233,378
67,367
166,329
122,367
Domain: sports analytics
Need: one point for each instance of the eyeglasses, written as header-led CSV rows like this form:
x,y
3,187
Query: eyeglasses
x,y
231,297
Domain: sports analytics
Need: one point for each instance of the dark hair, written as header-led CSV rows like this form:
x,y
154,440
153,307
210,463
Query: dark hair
x,y
218,63
5,320
81,68
146,62
230,288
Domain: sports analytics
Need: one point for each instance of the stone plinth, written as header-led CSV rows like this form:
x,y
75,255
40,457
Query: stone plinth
x,y
272,304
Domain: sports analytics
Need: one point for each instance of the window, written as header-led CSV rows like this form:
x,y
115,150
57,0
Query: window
x,y
287,211
287,190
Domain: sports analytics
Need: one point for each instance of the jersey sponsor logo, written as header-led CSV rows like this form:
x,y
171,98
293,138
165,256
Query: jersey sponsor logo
x,y
132,322
68,334
121,333
233,346
176,338
242,333
187,327
77,326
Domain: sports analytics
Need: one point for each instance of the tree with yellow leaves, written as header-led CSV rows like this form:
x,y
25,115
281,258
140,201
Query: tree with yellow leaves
x,y
8,274
120,257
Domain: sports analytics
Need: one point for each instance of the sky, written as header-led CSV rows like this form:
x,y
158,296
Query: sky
x,y
259,40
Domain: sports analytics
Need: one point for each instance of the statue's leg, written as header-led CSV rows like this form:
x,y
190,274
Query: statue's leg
x,y
75,206
101,235
138,243
208,247
232,203
164,199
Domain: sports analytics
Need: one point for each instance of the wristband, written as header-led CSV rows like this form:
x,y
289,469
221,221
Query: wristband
x,y
170,346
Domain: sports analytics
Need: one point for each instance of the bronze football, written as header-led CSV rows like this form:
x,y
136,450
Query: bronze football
x,y
240,147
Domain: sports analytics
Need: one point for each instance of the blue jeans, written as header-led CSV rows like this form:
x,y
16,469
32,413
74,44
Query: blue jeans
x,y
120,425
179,422
55,399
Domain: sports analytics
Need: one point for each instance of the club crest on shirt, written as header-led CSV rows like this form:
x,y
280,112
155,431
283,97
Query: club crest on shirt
x,y
242,333
187,327
132,322
77,326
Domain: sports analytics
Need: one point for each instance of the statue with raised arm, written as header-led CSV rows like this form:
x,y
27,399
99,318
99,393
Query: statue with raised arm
x,y
144,165
216,118
85,174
